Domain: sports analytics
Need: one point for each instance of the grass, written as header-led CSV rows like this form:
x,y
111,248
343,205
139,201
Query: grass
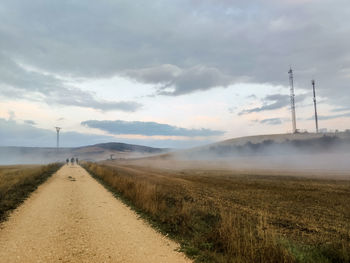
x,y
18,181
227,216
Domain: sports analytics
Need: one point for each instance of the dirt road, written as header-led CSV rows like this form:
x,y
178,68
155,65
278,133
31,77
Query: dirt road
x,y
72,218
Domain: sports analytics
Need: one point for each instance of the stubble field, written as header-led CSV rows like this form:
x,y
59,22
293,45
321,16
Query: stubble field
x,y
223,215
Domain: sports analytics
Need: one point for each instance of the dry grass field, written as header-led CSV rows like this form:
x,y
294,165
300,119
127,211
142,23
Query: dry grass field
x,y
222,215
18,181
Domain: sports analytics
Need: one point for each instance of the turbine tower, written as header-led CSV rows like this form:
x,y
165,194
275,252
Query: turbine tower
x,y
58,137
316,119
292,100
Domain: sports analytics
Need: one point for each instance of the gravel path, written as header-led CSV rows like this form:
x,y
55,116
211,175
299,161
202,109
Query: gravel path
x,y
72,218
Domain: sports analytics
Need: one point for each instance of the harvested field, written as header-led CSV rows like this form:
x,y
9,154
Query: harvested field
x,y
232,216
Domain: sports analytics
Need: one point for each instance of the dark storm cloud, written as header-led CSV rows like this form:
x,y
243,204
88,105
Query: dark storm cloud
x,y
204,43
147,128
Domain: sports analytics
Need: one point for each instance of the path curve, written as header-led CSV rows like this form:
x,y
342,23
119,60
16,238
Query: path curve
x,y
72,218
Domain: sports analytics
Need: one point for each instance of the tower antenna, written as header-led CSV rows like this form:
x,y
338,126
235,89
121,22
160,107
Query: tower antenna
x,y
292,99
58,137
316,119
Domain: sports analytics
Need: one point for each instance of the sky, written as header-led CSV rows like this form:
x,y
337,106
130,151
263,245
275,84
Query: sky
x,y
167,73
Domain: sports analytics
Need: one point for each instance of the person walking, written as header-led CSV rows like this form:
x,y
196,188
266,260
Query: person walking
x,y
72,161
67,161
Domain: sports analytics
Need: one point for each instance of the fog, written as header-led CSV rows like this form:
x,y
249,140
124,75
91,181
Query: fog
x,y
326,156
326,153
322,155
33,155
38,155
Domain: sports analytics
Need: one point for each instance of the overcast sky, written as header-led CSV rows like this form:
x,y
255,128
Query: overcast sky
x,y
169,73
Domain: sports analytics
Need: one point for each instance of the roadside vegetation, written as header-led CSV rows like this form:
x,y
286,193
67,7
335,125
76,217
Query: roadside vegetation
x,y
18,181
226,216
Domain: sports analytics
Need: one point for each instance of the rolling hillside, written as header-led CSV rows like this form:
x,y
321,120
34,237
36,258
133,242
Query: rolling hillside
x,y
309,151
274,143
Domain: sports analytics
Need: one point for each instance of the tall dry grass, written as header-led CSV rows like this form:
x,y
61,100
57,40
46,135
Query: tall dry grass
x,y
18,181
206,232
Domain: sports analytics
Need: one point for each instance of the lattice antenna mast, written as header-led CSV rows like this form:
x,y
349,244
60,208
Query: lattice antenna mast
x,y
58,137
313,89
292,99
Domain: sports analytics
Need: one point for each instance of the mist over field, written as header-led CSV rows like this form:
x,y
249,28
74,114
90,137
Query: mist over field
x,y
324,153
97,152
32,155
312,154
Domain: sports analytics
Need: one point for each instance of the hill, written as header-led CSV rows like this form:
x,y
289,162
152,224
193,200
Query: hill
x,y
274,144
321,152
124,147
97,152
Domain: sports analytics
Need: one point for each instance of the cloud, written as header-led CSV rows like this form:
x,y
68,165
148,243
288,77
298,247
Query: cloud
x,y
17,134
270,102
252,96
76,97
272,121
232,109
207,43
341,109
274,102
176,81
330,117
148,128
16,81
12,115
30,122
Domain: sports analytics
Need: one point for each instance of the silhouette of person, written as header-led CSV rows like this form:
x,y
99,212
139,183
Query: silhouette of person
x,y
67,161
72,161
76,160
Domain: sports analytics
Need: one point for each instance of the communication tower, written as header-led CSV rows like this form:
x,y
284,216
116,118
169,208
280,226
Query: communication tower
x,y
58,137
316,119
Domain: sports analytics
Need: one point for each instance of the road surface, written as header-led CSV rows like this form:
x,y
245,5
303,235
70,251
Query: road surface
x,y
72,218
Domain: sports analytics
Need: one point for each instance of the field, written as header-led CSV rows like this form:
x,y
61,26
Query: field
x,y
221,215
18,181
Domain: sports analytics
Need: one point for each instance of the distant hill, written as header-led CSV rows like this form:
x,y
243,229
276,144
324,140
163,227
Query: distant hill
x,y
319,153
273,144
261,145
124,147
97,152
